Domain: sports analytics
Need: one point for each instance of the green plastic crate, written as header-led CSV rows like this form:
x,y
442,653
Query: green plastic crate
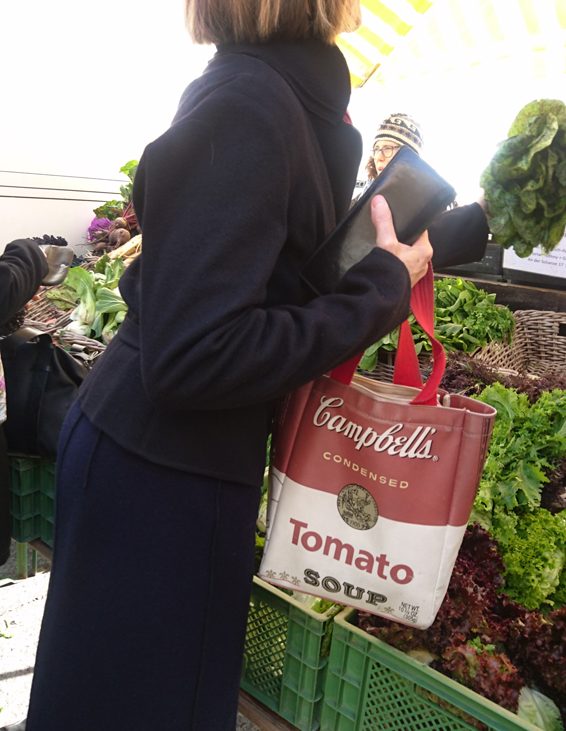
x,y
24,506
24,499
23,475
286,654
47,477
46,531
32,487
26,529
47,506
372,686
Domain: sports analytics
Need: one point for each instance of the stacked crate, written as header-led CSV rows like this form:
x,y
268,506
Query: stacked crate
x,y
32,498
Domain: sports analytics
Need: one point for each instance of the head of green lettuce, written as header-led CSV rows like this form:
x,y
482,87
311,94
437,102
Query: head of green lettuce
x,y
525,182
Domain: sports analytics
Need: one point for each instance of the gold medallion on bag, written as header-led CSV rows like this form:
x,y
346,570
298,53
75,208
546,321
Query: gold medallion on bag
x,y
357,507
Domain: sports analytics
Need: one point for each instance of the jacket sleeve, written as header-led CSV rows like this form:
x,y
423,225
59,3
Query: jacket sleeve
x,y
214,194
459,236
22,267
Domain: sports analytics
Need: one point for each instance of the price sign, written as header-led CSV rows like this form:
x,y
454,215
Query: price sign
x,y
547,265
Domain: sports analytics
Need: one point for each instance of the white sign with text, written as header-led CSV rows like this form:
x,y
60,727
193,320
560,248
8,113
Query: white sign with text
x,y
549,265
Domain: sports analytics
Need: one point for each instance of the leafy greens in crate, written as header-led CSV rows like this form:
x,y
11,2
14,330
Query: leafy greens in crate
x,y
94,298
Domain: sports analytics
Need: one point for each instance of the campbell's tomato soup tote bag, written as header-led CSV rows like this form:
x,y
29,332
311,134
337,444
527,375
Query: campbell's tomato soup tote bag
x,y
372,484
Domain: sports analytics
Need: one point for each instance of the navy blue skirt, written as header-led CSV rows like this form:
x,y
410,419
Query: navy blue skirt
x,y
146,611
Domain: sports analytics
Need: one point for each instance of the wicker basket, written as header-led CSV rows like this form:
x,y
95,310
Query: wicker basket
x,y
538,346
42,314
383,370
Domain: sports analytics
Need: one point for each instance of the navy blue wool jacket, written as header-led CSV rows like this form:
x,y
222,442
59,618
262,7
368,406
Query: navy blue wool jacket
x,y
254,172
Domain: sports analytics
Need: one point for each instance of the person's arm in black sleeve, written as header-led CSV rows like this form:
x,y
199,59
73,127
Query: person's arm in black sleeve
x,y
22,267
215,206
459,236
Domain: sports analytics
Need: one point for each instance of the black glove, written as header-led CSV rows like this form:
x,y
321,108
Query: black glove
x,y
59,257
46,239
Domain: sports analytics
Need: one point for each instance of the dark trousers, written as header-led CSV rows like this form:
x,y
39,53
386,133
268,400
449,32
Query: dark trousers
x,y
146,611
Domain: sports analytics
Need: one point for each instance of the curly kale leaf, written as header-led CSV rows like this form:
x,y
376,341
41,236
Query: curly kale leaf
x,y
527,443
534,557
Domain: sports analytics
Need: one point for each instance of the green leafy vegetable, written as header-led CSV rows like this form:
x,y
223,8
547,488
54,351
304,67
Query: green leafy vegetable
x,y
525,182
466,318
534,558
528,440
115,208
84,284
98,307
111,209
129,169
539,710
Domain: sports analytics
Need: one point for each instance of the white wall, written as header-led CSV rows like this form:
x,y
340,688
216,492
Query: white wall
x,y
33,204
84,86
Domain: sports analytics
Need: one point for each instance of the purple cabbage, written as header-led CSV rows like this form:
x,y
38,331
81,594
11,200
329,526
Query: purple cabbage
x,y
97,227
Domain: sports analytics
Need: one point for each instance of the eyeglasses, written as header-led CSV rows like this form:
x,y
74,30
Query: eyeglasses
x,y
387,150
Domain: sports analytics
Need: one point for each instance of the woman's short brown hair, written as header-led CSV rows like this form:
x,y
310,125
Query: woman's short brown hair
x,y
256,21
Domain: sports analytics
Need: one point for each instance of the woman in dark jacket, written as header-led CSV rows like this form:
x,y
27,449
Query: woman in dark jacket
x,y
161,460
23,266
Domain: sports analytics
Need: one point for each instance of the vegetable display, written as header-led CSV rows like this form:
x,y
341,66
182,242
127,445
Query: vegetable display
x,y
115,221
470,376
525,182
501,629
94,298
528,442
487,641
466,318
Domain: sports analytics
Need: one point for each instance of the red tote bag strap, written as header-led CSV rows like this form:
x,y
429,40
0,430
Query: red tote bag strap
x,y
345,371
407,372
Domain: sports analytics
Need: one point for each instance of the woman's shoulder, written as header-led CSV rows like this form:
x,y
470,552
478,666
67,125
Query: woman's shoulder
x,y
238,84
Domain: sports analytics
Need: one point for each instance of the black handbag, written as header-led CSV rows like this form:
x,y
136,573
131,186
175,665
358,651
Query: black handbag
x,y
416,194
42,381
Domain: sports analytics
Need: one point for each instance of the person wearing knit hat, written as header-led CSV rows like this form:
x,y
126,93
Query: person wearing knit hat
x,y
401,128
458,235
394,131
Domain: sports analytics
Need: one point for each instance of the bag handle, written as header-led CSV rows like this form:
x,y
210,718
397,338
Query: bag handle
x,y
21,336
406,369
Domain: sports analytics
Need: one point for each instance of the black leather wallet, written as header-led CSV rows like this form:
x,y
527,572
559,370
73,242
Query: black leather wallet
x,y
416,194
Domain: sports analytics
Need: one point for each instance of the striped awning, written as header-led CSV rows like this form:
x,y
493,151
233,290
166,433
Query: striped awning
x,y
417,36
384,24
